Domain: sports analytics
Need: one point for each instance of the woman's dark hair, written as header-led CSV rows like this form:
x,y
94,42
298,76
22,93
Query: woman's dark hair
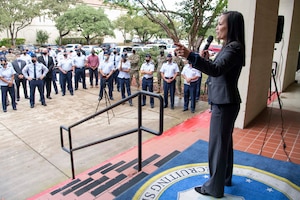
x,y
236,29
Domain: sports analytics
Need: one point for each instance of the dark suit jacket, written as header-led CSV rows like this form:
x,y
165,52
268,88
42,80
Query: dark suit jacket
x,y
50,65
16,67
224,71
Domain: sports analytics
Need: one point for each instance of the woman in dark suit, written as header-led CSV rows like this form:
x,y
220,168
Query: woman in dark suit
x,y
224,73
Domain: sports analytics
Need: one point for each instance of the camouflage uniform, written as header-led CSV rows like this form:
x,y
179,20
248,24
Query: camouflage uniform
x,y
180,64
160,60
134,61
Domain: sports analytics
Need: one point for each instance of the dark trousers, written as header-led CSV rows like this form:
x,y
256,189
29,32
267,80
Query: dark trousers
x,y
11,91
116,79
80,74
47,83
198,88
169,87
92,73
125,82
24,85
190,93
220,150
36,84
103,83
54,79
147,85
66,80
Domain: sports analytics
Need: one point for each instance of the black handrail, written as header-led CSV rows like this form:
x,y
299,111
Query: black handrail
x,y
139,129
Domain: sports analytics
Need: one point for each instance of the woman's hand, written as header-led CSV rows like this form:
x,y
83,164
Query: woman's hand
x,y
181,50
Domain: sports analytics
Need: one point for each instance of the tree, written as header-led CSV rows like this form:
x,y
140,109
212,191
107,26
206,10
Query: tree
x,y
124,24
42,37
196,16
144,28
17,14
91,23
54,9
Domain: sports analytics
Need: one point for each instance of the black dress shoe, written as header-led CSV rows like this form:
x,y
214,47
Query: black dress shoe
x,y
143,104
18,99
111,98
14,108
4,110
152,106
165,106
185,109
27,98
44,104
201,190
49,97
31,106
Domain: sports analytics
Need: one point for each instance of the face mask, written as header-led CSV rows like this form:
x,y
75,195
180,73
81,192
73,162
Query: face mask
x,y
33,61
44,53
78,54
115,52
147,60
24,53
161,53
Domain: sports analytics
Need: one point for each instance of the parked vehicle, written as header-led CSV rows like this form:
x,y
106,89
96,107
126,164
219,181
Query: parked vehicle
x,y
140,48
159,46
215,48
121,49
30,47
70,47
88,49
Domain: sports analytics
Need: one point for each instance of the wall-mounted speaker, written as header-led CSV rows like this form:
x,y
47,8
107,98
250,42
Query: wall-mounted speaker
x,y
279,32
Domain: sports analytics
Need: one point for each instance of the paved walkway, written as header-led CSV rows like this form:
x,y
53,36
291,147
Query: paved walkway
x,y
32,160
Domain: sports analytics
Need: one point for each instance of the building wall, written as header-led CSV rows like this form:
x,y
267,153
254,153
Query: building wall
x,y
261,25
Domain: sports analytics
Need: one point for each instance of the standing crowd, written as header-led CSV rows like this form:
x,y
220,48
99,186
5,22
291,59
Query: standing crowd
x,y
106,69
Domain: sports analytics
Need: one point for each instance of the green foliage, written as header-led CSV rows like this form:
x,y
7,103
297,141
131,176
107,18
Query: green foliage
x,y
144,28
42,37
55,8
91,23
191,20
76,40
7,42
124,24
17,14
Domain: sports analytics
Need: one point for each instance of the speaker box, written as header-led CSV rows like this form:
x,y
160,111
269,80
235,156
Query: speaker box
x,y
279,32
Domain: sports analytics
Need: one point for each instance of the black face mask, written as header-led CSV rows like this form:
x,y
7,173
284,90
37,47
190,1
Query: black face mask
x,y
24,53
161,53
44,53
78,54
33,61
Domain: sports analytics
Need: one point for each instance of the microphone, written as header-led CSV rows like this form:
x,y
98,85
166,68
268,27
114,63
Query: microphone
x,y
209,40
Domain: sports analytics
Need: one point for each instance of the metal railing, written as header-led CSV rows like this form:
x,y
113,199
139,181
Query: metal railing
x,y
139,128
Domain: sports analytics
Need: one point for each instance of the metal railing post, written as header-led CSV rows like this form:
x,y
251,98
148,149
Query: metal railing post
x,y
139,132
